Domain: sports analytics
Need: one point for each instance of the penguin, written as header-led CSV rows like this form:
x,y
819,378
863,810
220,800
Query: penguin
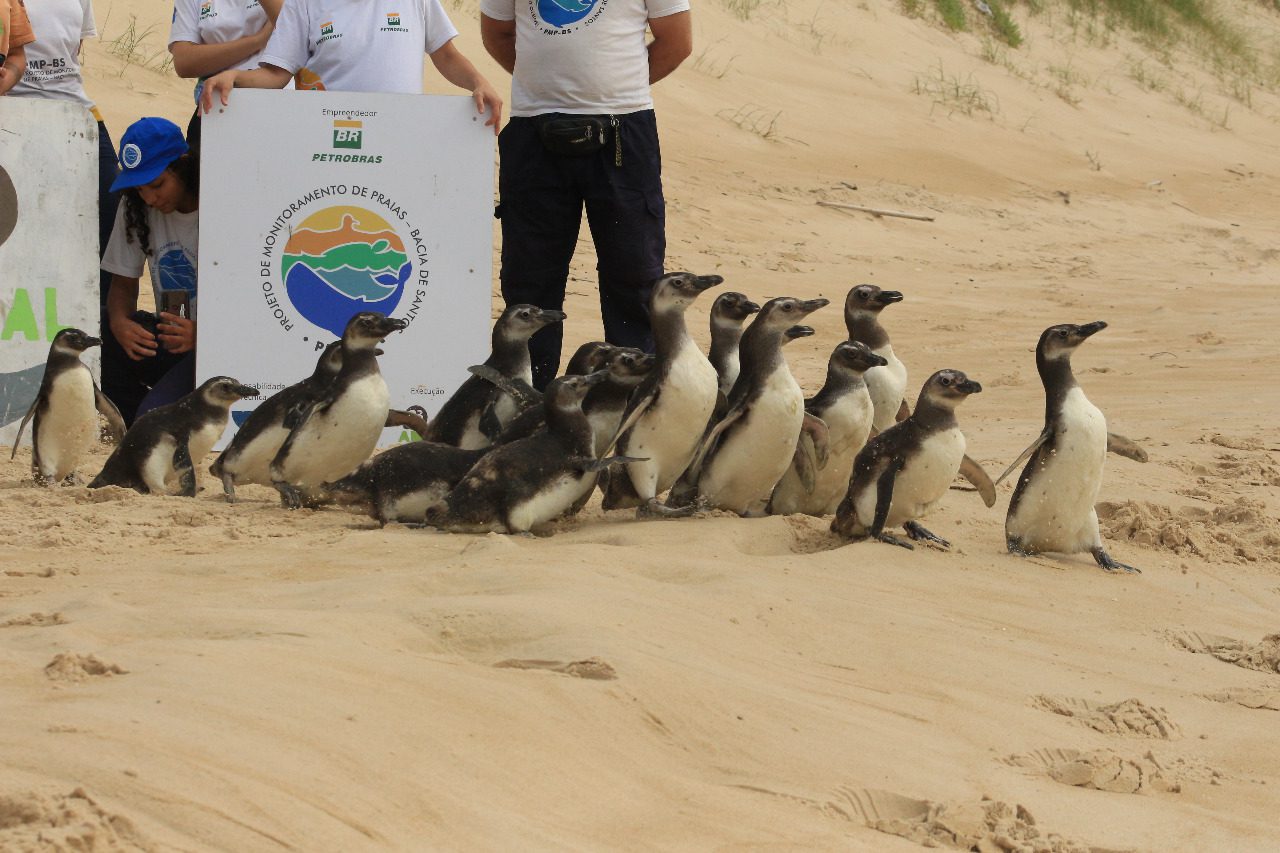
x,y
66,411
160,450
606,403
749,449
904,471
521,486
728,314
590,357
478,411
340,428
844,405
887,384
1052,508
668,412
399,484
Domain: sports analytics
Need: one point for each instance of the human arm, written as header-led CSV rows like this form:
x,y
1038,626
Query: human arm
x,y
272,8
15,64
122,301
263,77
202,60
459,71
672,43
499,38
178,334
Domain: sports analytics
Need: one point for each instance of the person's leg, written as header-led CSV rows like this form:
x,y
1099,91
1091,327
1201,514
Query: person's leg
x,y
627,215
176,383
541,213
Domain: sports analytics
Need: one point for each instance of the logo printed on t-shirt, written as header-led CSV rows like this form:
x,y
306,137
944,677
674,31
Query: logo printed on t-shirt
x,y
206,9
563,14
327,32
393,24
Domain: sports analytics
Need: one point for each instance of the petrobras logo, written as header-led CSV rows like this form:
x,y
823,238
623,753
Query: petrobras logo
x,y
130,156
557,16
206,10
393,19
327,32
347,133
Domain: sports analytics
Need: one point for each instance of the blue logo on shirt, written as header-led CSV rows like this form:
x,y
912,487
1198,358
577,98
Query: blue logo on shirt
x,y
562,13
176,271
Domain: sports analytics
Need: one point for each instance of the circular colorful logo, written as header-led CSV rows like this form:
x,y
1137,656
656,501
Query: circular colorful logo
x,y
562,13
131,156
343,260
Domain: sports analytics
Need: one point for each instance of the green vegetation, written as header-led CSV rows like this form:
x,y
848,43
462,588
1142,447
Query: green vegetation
x,y
954,94
1006,28
952,13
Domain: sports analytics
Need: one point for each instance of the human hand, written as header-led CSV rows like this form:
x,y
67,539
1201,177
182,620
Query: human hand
x,y
178,334
6,79
221,83
134,339
488,99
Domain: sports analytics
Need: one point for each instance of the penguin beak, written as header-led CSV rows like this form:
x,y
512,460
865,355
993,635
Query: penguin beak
x,y
798,332
92,342
595,378
704,282
547,316
391,324
750,307
873,360
811,305
968,387
247,391
1090,329
888,297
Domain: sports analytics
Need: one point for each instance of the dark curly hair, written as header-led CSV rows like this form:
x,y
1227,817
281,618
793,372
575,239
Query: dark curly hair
x,y
187,169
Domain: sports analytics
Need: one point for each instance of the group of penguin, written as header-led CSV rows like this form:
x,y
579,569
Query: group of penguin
x,y
730,430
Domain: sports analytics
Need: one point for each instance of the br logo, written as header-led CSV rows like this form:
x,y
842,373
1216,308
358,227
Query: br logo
x,y
562,13
347,134
343,260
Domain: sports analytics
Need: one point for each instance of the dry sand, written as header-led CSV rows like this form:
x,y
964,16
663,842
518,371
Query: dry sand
x,y
187,675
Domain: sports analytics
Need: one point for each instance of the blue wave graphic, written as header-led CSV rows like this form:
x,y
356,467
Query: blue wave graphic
x,y
562,13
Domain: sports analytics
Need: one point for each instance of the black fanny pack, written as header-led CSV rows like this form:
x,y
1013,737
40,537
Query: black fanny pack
x,y
577,135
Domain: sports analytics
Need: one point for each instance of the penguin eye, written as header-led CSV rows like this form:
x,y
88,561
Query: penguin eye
x,y
862,294
946,380
1062,333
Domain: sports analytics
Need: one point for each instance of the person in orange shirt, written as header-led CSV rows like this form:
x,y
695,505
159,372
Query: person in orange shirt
x,y
15,35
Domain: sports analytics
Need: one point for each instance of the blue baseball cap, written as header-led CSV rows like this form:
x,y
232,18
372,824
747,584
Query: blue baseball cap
x,y
146,150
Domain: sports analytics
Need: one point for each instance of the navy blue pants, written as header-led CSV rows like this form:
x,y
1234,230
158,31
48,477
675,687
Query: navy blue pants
x,y
541,200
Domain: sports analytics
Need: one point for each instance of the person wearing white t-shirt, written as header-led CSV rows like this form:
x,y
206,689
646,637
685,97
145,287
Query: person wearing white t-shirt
x,y
360,46
583,133
158,225
208,36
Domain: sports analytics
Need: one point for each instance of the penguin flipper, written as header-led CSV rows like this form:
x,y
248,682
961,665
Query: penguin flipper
x,y
409,420
1125,447
1023,457
819,437
710,441
296,415
884,497
638,406
805,462
18,438
183,467
489,424
977,477
525,395
106,408
904,412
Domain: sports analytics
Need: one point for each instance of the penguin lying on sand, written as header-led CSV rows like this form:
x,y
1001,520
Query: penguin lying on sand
x,y
478,411
1052,508
340,428
399,484
66,412
904,471
844,405
524,485
160,449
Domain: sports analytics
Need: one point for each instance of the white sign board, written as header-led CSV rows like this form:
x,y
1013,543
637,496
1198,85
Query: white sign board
x,y
315,206
48,242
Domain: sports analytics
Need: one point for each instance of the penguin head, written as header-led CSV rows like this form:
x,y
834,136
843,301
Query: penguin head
x,y
732,309
780,314
74,341
855,357
1059,342
948,389
590,357
566,392
867,298
519,322
223,391
676,291
629,365
368,329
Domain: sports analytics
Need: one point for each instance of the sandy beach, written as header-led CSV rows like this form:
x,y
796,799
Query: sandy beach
x,y
184,674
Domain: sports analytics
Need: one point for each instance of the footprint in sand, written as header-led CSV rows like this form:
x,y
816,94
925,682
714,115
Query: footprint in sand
x,y
35,620
71,667
34,821
591,668
987,825
1131,717
1263,656
1105,770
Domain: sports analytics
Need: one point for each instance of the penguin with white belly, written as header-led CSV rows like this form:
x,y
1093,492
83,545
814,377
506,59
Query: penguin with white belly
x,y
728,314
66,410
904,471
159,451
340,428
888,383
1052,508
844,405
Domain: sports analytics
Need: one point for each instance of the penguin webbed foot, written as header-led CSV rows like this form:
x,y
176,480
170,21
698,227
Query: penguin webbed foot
x,y
890,539
290,496
1111,564
1015,548
653,508
917,532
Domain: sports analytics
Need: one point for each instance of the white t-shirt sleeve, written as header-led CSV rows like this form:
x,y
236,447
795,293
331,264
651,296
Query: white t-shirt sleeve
x,y
499,10
185,18
662,8
88,27
122,257
439,29
288,47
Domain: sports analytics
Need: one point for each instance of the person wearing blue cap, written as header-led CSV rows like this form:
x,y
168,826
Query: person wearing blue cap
x,y
157,225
